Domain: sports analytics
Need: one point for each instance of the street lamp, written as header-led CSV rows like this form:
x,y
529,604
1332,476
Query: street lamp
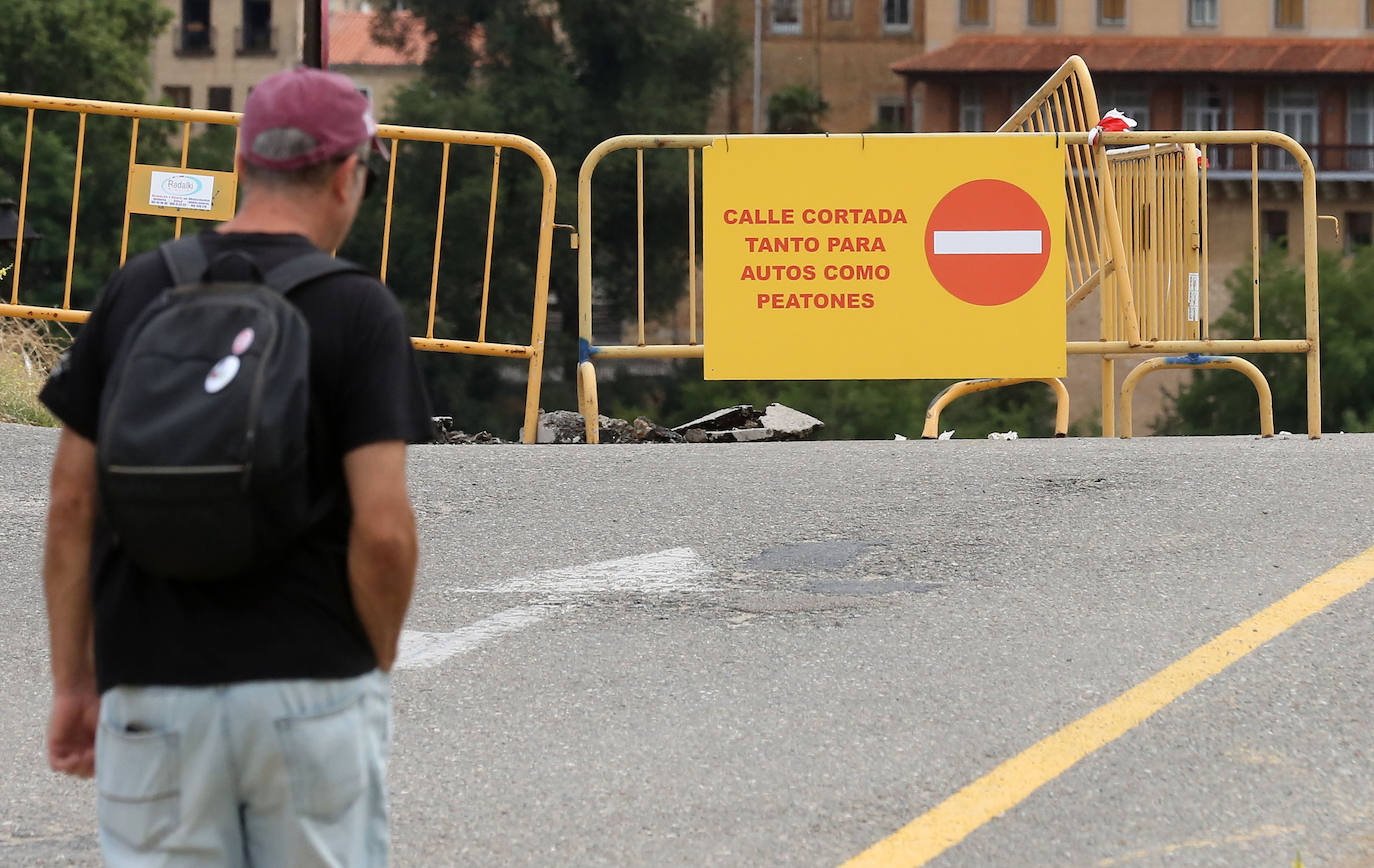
x,y
9,225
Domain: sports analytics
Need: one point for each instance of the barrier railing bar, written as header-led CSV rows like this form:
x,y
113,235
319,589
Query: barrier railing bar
x,y
390,200
76,204
1084,159
133,158
1254,231
185,150
1077,268
1078,218
691,246
491,234
1204,325
639,215
438,242
1154,259
23,208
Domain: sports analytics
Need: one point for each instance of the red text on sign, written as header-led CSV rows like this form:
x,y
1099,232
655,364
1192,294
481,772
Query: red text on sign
x,y
815,300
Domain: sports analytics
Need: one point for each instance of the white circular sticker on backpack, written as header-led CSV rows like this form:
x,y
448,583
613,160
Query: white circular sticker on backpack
x,y
243,341
222,374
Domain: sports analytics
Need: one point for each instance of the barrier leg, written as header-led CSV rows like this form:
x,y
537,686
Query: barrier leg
x,y
970,387
1194,360
586,400
1108,398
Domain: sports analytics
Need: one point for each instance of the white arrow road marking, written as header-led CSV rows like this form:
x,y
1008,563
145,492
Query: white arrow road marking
x,y
657,572
668,570
972,241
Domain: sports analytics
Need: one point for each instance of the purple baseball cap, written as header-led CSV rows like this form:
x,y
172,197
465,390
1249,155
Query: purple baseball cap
x,y
326,105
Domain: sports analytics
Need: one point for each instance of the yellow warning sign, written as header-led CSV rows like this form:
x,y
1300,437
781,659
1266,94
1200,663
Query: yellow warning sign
x,y
884,257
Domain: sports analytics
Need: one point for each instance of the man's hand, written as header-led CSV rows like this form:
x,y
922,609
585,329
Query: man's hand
x,y
382,548
71,732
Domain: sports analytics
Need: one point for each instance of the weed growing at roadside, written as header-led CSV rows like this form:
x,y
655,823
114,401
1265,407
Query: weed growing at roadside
x,y
28,351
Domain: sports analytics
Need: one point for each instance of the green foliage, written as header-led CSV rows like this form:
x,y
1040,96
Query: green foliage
x,y
851,410
796,109
568,75
93,49
1224,402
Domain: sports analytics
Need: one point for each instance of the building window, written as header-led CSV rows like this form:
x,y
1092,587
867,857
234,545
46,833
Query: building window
x,y
1291,110
1132,101
1360,136
897,15
221,99
841,10
786,16
1208,107
1369,13
1202,13
892,115
970,109
1111,13
1042,13
178,95
194,34
256,35
1274,224
1288,13
1359,229
974,13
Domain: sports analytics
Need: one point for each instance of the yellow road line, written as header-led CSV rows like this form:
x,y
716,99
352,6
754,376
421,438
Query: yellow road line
x,y
1010,783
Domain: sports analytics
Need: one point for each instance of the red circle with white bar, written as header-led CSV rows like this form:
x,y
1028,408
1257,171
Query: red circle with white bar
x,y
987,242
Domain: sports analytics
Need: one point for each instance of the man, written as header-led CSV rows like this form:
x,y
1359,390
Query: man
x,y
247,722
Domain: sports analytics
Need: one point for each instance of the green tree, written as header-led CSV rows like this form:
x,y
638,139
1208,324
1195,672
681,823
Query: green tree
x,y
796,109
91,49
1224,402
568,75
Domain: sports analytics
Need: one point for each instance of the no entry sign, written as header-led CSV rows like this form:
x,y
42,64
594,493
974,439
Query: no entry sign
x,y
867,257
988,242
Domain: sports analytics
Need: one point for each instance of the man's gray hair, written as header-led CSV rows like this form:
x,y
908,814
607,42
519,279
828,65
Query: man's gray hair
x,y
283,143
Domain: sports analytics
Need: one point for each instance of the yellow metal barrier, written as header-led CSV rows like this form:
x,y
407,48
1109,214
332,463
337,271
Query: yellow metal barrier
x,y
533,352
1138,231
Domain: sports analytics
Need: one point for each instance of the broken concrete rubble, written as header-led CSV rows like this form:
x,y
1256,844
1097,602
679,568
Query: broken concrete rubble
x,y
744,424
445,433
740,424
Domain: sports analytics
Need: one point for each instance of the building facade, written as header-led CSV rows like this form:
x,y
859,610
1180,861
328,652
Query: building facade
x,y
214,51
1300,67
841,49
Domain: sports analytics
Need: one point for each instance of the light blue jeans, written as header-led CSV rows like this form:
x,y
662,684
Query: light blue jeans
x,y
260,773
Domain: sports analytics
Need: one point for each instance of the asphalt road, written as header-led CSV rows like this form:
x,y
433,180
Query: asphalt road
x,y
779,654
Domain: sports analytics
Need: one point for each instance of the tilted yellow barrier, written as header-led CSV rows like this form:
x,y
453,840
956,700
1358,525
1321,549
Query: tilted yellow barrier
x,y
137,180
1138,236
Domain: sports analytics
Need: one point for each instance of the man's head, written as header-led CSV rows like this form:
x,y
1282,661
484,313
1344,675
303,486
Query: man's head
x,y
305,137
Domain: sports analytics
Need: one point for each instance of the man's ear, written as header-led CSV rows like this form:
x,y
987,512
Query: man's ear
x,y
342,178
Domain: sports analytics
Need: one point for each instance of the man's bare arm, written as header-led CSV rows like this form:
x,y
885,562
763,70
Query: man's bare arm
x,y
382,547
67,587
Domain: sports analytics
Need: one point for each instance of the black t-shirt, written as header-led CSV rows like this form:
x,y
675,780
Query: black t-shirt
x,y
294,618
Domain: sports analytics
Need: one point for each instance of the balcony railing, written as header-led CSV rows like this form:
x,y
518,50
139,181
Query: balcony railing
x,y
193,38
255,40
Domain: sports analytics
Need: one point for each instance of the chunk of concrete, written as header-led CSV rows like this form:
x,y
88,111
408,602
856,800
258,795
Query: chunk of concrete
x,y
788,424
740,416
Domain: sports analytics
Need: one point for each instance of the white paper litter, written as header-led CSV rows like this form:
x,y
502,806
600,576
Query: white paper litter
x,y
898,437
1010,435
945,435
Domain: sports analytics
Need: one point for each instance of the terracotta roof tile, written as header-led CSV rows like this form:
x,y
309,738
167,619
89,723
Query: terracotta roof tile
x,y
351,42
1126,54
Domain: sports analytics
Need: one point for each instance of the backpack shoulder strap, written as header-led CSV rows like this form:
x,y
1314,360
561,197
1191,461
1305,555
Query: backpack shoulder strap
x,y
303,269
185,259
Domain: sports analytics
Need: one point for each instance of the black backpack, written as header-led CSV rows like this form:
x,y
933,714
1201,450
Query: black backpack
x,y
202,453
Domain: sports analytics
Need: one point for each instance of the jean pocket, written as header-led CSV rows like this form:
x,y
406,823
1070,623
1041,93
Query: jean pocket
x,y
325,759
138,785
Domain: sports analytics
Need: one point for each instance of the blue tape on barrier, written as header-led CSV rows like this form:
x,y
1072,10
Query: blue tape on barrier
x,y
1191,359
585,350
